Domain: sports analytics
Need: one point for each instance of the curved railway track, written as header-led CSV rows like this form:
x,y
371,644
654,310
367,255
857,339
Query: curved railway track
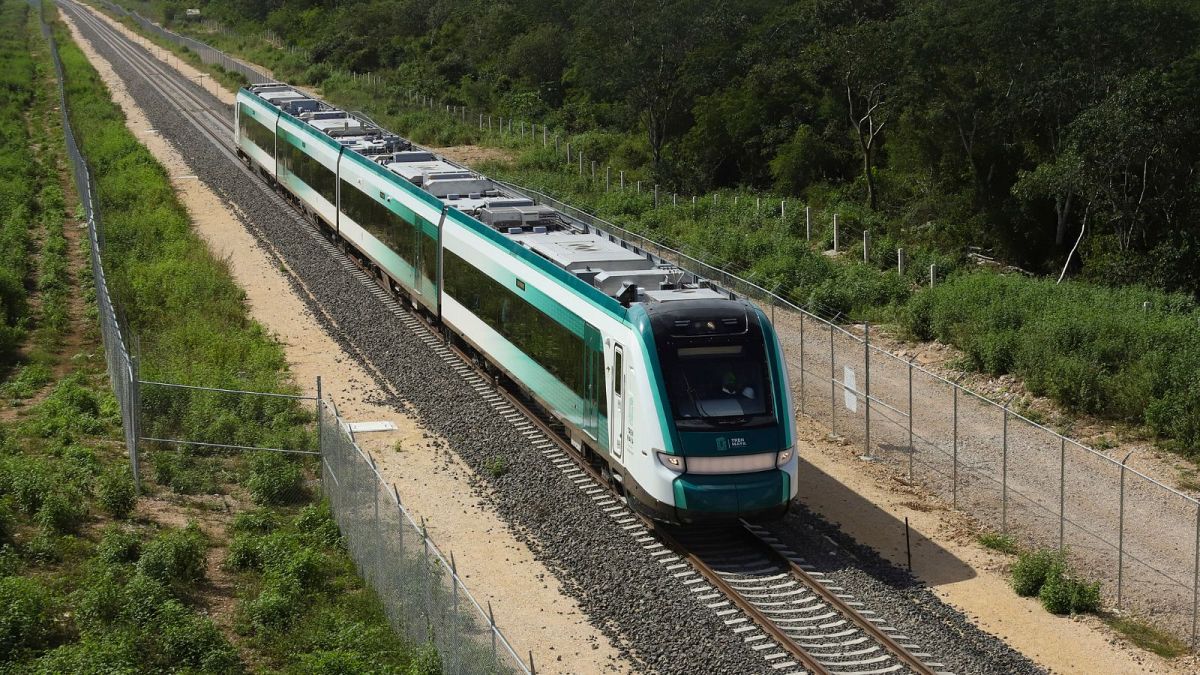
x,y
763,591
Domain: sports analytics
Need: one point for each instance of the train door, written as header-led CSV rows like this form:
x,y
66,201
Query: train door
x,y
617,409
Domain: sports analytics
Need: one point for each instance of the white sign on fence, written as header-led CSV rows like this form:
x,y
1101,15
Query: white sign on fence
x,y
849,389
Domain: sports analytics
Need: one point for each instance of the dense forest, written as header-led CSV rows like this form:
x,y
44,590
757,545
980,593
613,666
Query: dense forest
x,y
1012,125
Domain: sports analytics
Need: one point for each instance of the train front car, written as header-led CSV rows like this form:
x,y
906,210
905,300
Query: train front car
x,y
726,410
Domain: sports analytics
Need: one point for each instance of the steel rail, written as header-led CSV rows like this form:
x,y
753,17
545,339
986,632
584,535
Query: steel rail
x,y
518,401
899,651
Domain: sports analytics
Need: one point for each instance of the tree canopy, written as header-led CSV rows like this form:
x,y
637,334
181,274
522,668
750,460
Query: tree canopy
x,y
1013,125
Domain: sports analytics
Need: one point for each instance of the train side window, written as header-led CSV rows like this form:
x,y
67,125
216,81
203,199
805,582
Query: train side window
x,y
618,372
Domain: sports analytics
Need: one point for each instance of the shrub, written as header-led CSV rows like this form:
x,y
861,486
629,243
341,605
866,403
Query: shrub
x,y
1055,592
175,557
1031,569
258,521
190,641
116,492
274,479
183,473
43,547
1063,593
119,545
244,553
316,524
142,599
26,616
273,609
100,601
63,510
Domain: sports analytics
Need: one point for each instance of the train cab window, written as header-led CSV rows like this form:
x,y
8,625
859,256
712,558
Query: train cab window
x,y
720,384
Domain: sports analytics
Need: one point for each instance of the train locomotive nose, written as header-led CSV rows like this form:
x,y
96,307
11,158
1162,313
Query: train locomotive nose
x,y
755,497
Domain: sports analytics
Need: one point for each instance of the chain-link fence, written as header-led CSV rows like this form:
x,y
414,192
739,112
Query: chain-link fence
x,y
1139,536
122,368
213,57
420,589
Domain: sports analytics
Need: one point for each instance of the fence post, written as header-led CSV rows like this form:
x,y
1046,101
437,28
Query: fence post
x,y
622,181
607,178
1196,578
931,266
1121,534
912,451
1004,475
135,418
867,389
900,261
782,209
802,361
807,223
866,244
832,385
1062,490
835,233
320,436
954,477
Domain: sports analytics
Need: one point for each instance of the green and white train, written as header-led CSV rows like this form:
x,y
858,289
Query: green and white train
x,y
675,389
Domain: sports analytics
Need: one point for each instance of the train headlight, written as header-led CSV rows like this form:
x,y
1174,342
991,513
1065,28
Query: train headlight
x,y
784,457
673,462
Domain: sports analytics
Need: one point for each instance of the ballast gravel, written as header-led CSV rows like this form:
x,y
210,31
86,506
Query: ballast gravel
x,y
897,597
656,622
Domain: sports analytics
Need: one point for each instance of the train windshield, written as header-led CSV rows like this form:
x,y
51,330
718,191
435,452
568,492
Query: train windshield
x,y
720,385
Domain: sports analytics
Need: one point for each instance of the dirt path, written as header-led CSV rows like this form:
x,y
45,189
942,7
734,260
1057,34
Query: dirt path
x,y
865,499
869,503
530,605
1160,527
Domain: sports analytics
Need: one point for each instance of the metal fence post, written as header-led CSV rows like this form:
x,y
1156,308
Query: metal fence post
x,y
866,244
1196,578
867,389
320,436
807,223
954,476
1121,535
1004,476
802,362
912,450
832,386
1062,491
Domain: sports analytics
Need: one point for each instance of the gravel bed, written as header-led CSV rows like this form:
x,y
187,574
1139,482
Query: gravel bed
x,y
652,619
901,600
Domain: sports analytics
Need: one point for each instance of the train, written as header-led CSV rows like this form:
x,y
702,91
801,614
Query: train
x,y
675,389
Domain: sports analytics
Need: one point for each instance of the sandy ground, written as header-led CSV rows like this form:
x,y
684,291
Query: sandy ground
x,y
870,503
529,603
866,500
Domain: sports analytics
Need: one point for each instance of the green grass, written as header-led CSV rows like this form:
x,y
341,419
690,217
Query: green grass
x,y
1148,636
1090,349
88,583
1003,543
18,197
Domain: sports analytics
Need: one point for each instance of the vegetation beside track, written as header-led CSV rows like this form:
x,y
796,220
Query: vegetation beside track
x,y
94,579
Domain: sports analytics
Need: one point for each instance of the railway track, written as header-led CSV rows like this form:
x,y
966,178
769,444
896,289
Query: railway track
x,y
761,590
